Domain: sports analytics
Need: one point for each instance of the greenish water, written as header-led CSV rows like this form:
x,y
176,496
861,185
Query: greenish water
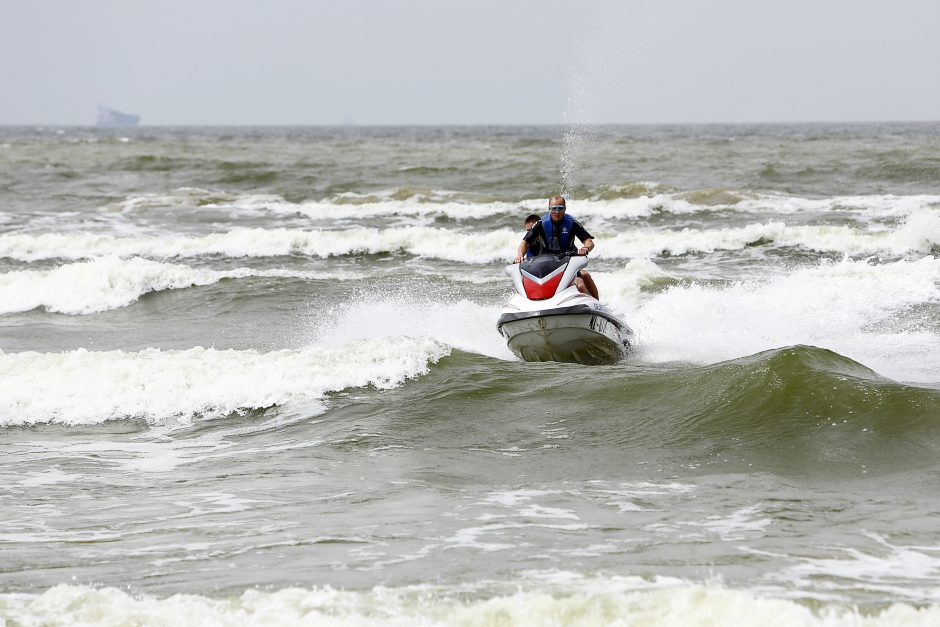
x,y
259,366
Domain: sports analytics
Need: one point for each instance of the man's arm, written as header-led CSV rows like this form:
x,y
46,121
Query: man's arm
x,y
531,236
587,242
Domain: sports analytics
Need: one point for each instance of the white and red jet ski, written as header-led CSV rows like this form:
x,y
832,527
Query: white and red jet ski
x,y
548,319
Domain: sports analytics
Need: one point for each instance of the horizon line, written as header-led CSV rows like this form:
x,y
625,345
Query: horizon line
x,y
463,124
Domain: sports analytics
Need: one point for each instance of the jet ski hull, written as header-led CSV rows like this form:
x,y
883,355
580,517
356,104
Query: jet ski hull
x,y
549,319
578,334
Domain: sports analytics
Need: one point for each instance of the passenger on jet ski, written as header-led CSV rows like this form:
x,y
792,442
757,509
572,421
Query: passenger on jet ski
x,y
535,247
555,234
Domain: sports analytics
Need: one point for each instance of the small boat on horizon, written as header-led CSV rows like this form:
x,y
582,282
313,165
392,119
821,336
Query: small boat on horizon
x,y
111,117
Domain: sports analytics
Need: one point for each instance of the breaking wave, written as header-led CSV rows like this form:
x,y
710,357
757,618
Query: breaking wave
x,y
793,410
110,283
238,243
918,234
635,200
596,601
882,315
86,387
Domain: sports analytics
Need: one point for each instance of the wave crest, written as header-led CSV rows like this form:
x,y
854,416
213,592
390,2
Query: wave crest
x,y
919,234
593,602
85,387
110,283
794,409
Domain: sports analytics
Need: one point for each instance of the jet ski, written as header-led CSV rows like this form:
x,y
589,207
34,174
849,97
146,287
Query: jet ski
x,y
548,319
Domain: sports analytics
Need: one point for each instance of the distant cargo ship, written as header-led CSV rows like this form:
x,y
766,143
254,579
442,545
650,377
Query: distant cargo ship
x,y
110,117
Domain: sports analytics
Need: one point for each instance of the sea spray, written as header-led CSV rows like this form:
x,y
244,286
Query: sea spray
x,y
862,310
419,311
597,56
573,143
579,131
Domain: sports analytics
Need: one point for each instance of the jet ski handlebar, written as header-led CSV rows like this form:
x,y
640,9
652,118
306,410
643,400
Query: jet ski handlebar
x,y
570,253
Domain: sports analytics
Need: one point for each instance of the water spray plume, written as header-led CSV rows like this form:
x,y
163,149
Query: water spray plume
x,y
574,139
586,71
598,54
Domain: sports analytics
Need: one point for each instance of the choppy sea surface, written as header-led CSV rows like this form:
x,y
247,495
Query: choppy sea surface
x,y
252,376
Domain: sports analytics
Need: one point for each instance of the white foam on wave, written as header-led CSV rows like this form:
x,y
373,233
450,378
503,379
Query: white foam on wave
x,y
878,206
457,323
625,284
345,206
918,233
414,207
438,243
85,387
743,523
462,324
636,496
869,312
871,207
875,206
194,197
111,282
887,568
573,601
442,203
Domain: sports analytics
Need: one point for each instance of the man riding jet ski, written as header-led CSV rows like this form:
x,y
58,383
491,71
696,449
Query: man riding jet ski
x,y
555,233
555,314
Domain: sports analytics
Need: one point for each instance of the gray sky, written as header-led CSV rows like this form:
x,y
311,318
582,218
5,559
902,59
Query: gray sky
x,y
469,62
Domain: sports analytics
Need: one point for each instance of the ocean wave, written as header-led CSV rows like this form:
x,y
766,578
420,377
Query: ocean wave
x,y
795,410
872,206
918,234
625,285
637,200
109,283
804,409
596,601
782,391
416,313
421,241
417,202
871,312
85,387
891,566
191,197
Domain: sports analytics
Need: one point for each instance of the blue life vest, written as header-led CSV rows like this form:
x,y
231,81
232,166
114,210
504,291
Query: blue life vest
x,y
564,238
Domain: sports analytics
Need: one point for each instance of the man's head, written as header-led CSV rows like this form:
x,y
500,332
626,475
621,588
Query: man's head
x,y
556,207
530,221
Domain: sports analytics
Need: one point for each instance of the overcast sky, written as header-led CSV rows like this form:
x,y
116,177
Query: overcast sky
x,y
469,62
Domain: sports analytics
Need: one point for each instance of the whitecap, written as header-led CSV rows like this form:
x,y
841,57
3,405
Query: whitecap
x,y
87,387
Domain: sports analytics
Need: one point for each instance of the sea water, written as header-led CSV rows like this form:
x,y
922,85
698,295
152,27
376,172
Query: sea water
x,y
252,376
